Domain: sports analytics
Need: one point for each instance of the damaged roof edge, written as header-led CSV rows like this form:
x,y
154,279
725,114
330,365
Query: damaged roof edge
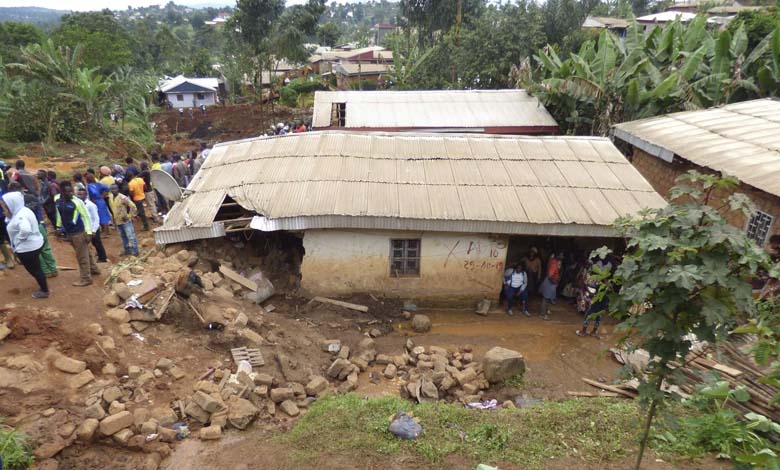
x,y
186,234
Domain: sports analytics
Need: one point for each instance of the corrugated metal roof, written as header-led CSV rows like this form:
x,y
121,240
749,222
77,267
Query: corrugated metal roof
x,y
433,109
379,53
355,68
457,181
168,85
741,140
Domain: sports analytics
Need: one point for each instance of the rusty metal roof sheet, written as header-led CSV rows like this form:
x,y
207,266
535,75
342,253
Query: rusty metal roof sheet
x,y
453,109
461,182
741,140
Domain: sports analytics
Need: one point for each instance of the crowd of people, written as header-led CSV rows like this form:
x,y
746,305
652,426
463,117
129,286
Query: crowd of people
x,y
284,128
82,210
562,274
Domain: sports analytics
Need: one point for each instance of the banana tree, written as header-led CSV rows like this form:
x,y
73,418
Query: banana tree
x,y
676,68
89,92
768,73
589,89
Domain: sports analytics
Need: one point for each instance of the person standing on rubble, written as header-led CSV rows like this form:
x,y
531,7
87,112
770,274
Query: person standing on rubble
x,y
26,239
137,188
150,195
94,219
181,172
73,221
7,256
124,213
32,202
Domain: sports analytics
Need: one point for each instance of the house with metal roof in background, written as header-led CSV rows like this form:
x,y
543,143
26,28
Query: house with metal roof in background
x,y
350,75
183,92
434,217
617,26
477,111
740,140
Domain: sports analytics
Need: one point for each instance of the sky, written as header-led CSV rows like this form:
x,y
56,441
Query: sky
x,y
84,5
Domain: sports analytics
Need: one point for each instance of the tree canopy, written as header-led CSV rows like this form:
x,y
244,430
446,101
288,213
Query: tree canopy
x,y
105,43
678,67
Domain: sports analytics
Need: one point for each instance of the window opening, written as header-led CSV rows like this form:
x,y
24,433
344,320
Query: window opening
x,y
404,257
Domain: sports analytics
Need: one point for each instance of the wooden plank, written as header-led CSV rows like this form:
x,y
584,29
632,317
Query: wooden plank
x,y
234,276
727,370
159,312
359,308
207,374
593,395
609,388
189,302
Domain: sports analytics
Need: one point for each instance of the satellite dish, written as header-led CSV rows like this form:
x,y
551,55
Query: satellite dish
x,y
166,185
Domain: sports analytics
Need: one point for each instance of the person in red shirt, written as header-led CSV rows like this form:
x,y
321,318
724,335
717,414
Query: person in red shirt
x,y
549,287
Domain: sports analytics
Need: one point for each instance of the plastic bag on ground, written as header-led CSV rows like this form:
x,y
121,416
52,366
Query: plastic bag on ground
x,y
405,427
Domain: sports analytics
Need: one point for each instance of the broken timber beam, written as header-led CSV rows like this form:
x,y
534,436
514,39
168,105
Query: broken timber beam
x,y
594,395
359,308
234,276
609,388
202,320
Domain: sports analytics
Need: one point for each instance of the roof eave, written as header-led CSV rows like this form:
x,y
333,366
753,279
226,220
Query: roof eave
x,y
653,149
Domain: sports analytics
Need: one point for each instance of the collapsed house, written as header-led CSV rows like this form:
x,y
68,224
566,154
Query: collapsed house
x,y
424,216
474,111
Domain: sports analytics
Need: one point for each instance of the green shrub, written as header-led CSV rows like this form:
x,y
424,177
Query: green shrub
x,y
363,85
6,151
288,97
15,450
307,85
703,425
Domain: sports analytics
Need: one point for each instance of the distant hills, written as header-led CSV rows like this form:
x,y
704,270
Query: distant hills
x,y
36,15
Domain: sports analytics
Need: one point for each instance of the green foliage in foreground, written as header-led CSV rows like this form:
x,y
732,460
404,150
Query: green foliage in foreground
x,y
15,450
594,430
687,268
704,425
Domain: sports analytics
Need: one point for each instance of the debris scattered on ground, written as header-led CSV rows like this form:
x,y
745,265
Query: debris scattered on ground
x,y
404,426
483,307
351,306
421,323
731,362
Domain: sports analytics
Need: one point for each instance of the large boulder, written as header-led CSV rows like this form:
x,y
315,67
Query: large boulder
x,y
241,412
500,363
421,323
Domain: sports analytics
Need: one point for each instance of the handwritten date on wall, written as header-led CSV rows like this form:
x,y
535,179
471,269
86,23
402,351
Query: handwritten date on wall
x,y
493,251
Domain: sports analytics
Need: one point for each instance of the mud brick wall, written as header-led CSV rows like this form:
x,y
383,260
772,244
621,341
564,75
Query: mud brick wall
x,y
661,175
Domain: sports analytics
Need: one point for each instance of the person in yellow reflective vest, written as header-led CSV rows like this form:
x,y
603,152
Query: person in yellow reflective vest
x,y
74,223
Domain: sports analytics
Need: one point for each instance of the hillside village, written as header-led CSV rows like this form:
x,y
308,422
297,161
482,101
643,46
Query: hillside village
x,y
390,235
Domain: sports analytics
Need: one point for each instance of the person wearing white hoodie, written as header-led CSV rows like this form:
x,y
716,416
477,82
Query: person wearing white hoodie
x,y
26,239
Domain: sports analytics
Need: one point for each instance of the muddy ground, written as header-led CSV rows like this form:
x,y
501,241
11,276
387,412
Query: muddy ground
x,y
220,124
30,388
173,134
